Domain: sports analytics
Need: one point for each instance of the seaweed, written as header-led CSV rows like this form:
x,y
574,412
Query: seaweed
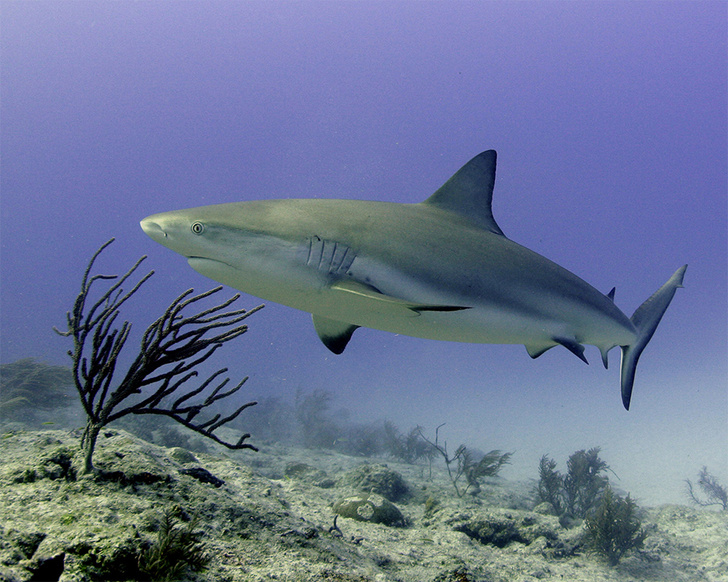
x,y
176,549
576,493
614,528
551,485
408,448
465,463
318,429
584,483
715,493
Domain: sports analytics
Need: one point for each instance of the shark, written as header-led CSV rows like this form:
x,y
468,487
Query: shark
x,y
440,269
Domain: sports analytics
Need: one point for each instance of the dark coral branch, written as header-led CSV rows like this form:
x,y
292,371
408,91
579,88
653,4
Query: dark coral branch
x,y
171,348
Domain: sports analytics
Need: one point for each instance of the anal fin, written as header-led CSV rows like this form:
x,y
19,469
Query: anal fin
x,y
605,356
335,335
573,346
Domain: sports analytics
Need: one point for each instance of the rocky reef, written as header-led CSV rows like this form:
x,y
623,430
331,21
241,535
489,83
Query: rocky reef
x,y
156,513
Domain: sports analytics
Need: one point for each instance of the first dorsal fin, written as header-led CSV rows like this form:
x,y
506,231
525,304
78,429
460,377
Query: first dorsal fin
x,y
470,191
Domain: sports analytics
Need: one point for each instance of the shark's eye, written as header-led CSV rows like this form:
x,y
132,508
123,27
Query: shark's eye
x,y
197,228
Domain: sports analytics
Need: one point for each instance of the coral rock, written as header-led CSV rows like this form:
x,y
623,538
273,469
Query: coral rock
x,y
372,508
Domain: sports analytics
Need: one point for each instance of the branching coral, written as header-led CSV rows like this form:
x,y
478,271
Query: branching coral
x,y
171,348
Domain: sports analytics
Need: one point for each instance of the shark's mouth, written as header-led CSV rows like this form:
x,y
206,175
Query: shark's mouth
x,y
205,265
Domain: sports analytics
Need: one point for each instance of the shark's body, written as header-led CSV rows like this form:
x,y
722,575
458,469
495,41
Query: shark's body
x,y
441,269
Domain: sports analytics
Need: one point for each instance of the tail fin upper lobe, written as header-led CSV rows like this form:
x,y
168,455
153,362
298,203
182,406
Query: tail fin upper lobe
x,y
645,319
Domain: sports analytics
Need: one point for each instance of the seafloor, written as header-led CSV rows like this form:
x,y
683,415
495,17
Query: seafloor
x,y
268,516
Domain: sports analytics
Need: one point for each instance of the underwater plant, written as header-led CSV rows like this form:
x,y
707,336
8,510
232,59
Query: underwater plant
x,y
318,429
361,440
575,494
175,550
475,466
613,528
171,348
465,464
715,493
409,447
584,482
550,485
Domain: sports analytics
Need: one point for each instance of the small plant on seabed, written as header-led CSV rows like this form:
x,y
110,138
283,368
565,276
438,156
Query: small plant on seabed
x,y
171,348
318,428
613,528
408,448
573,495
464,464
715,493
176,549
551,485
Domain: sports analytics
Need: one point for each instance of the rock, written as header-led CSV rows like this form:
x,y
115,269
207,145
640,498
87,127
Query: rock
x,y
48,568
203,476
376,478
256,528
372,508
545,508
461,574
501,527
308,474
182,456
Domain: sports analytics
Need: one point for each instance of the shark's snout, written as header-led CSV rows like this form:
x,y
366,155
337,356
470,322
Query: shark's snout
x,y
153,230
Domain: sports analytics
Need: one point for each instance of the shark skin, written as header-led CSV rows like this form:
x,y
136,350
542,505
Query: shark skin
x,y
441,269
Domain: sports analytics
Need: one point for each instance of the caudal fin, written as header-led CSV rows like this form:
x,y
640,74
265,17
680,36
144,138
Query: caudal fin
x,y
645,319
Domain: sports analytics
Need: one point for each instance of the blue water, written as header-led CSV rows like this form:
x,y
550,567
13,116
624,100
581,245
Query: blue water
x,y
610,124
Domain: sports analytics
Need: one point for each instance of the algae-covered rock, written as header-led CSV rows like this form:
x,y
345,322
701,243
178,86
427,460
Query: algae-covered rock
x,y
545,508
460,574
499,528
203,476
372,508
376,478
182,456
308,474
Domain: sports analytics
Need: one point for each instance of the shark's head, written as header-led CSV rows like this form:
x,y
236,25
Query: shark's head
x,y
237,244
247,245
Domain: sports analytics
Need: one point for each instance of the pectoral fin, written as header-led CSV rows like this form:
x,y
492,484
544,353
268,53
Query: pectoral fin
x,y
537,350
335,335
391,304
